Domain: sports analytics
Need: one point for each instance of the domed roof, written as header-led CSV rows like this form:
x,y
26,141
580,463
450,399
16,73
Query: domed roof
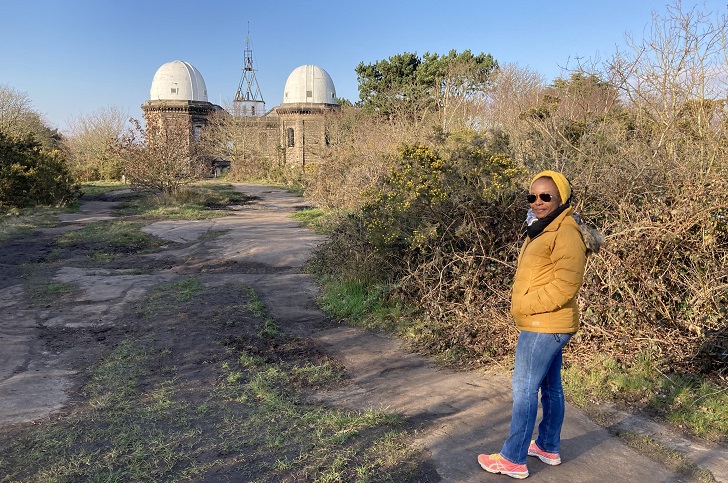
x,y
178,81
309,83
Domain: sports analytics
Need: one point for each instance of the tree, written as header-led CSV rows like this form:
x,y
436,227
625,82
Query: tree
x,y
30,175
461,83
513,90
247,142
568,111
408,86
675,77
160,157
18,119
89,144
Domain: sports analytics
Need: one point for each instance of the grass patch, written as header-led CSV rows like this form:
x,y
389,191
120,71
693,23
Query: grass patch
x,y
257,307
360,302
161,298
689,402
41,291
668,457
245,419
95,189
317,219
311,443
22,222
197,202
109,240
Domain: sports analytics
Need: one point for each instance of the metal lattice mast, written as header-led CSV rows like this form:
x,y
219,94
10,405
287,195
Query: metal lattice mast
x,y
248,89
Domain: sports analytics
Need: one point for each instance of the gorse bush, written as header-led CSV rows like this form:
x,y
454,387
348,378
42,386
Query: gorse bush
x,y
426,196
645,148
31,176
440,228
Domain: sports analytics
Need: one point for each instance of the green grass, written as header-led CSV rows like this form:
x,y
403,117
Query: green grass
x,y
256,306
174,292
41,291
667,457
23,222
687,401
93,189
195,202
317,219
109,240
251,423
362,303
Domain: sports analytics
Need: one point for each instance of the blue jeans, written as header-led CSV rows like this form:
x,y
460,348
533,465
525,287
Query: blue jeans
x,y
538,366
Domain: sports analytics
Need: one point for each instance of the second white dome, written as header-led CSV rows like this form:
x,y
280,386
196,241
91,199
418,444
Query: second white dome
x,y
309,84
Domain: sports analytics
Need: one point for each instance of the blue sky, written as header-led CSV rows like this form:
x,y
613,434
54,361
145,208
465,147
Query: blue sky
x,y
74,56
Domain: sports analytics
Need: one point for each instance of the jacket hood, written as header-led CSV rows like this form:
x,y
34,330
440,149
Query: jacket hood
x,y
593,238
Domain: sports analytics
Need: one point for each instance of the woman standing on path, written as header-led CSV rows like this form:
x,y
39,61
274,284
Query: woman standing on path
x,y
543,303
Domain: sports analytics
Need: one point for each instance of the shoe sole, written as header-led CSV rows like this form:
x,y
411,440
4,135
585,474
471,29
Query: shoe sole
x,y
518,475
548,461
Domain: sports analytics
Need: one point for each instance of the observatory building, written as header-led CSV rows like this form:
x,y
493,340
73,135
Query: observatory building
x,y
178,97
294,131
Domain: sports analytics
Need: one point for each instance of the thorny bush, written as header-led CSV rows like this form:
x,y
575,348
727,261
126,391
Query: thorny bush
x,y
441,229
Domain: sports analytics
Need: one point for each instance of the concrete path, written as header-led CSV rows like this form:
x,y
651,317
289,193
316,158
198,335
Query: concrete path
x,y
460,414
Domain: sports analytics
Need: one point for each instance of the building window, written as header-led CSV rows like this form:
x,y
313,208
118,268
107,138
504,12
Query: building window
x,y
309,93
290,141
174,90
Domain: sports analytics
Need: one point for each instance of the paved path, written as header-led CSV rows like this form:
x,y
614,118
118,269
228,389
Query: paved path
x,y
461,413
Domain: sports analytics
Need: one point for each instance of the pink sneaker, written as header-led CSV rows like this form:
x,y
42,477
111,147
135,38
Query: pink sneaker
x,y
552,459
495,463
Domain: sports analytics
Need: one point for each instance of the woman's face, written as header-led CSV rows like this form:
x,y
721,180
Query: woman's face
x,y
540,207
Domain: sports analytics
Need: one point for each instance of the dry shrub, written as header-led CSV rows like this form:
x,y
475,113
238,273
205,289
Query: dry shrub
x,y
660,284
162,156
362,152
440,228
644,142
462,286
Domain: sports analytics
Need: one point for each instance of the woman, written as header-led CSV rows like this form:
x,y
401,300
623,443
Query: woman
x,y
543,303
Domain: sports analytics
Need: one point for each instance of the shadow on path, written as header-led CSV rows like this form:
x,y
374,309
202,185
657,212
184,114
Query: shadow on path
x,y
459,414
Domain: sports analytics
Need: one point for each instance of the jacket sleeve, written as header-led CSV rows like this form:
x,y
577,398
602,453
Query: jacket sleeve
x,y
568,256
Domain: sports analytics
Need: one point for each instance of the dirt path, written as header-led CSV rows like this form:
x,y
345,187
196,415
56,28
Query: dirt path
x,y
460,414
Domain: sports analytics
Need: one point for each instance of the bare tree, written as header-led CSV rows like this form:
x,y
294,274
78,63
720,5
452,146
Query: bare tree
x,y
14,106
675,79
18,119
162,157
90,142
248,143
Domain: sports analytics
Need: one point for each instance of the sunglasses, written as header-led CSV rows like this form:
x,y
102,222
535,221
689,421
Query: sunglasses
x,y
545,197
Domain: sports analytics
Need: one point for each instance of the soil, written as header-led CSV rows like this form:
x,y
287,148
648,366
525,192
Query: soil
x,y
49,339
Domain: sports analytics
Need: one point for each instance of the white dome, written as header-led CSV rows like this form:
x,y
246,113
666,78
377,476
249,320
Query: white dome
x,y
178,81
309,83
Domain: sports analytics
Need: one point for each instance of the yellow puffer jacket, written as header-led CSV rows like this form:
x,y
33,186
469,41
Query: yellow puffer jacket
x,y
549,275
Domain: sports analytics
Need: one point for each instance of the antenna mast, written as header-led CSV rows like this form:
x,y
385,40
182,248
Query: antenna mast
x,y
248,99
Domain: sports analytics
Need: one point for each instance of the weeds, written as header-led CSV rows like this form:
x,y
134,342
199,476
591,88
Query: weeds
x,y
111,239
316,219
243,418
182,291
667,457
22,222
198,202
256,306
688,401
